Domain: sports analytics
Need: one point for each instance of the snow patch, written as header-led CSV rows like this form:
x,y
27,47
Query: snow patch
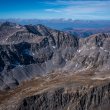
x,y
99,78
20,65
76,65
106,50
33,54
93,48
66,60
54,47
79,51
102,48
18,27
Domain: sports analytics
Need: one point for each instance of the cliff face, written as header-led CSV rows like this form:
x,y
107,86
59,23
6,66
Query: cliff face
x,y
59,91
93,53
30,51
95,98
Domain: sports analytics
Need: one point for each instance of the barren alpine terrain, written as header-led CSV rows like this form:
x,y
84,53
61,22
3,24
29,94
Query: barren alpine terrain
x,y
46,69
59,92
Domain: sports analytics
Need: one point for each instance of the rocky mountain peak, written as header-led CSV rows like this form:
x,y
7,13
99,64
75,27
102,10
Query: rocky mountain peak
x,y
33,50
54,70
41,26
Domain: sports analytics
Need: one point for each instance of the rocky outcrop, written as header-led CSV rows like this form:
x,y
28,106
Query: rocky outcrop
x,y
83,98
93,53
32,51
7,29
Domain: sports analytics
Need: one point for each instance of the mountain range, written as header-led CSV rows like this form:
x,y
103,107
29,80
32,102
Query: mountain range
x,y
86,32
62,24
47,69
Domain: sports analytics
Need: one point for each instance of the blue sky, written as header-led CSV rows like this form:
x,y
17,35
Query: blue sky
x,y
55,9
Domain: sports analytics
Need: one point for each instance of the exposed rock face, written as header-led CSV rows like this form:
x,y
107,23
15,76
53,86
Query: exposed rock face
x,y
6,30
93,53
95,98
30,51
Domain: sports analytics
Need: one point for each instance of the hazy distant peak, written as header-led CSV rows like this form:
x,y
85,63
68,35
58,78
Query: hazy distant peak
x,y
10,24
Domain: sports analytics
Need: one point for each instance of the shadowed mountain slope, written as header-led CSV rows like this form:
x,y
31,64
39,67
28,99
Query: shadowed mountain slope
x,y
35,50
30,51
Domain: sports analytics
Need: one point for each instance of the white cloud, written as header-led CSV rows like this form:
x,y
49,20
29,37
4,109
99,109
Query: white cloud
x,y
53,10
70,9
76,10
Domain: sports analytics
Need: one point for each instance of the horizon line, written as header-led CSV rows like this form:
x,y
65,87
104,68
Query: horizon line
x,y
63,19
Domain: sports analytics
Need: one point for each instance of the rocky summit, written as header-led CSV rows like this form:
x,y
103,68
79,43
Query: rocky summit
x,y
46,69
30,51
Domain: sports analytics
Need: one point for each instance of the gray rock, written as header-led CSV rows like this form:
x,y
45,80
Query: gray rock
x,y
31,51
96,98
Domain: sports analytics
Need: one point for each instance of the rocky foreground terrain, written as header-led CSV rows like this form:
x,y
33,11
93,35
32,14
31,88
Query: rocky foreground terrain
x,y
46,69
59,92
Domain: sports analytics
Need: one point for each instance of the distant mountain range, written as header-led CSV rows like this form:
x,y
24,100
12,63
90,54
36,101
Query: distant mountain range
x,y
86,32
62,23
79,28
